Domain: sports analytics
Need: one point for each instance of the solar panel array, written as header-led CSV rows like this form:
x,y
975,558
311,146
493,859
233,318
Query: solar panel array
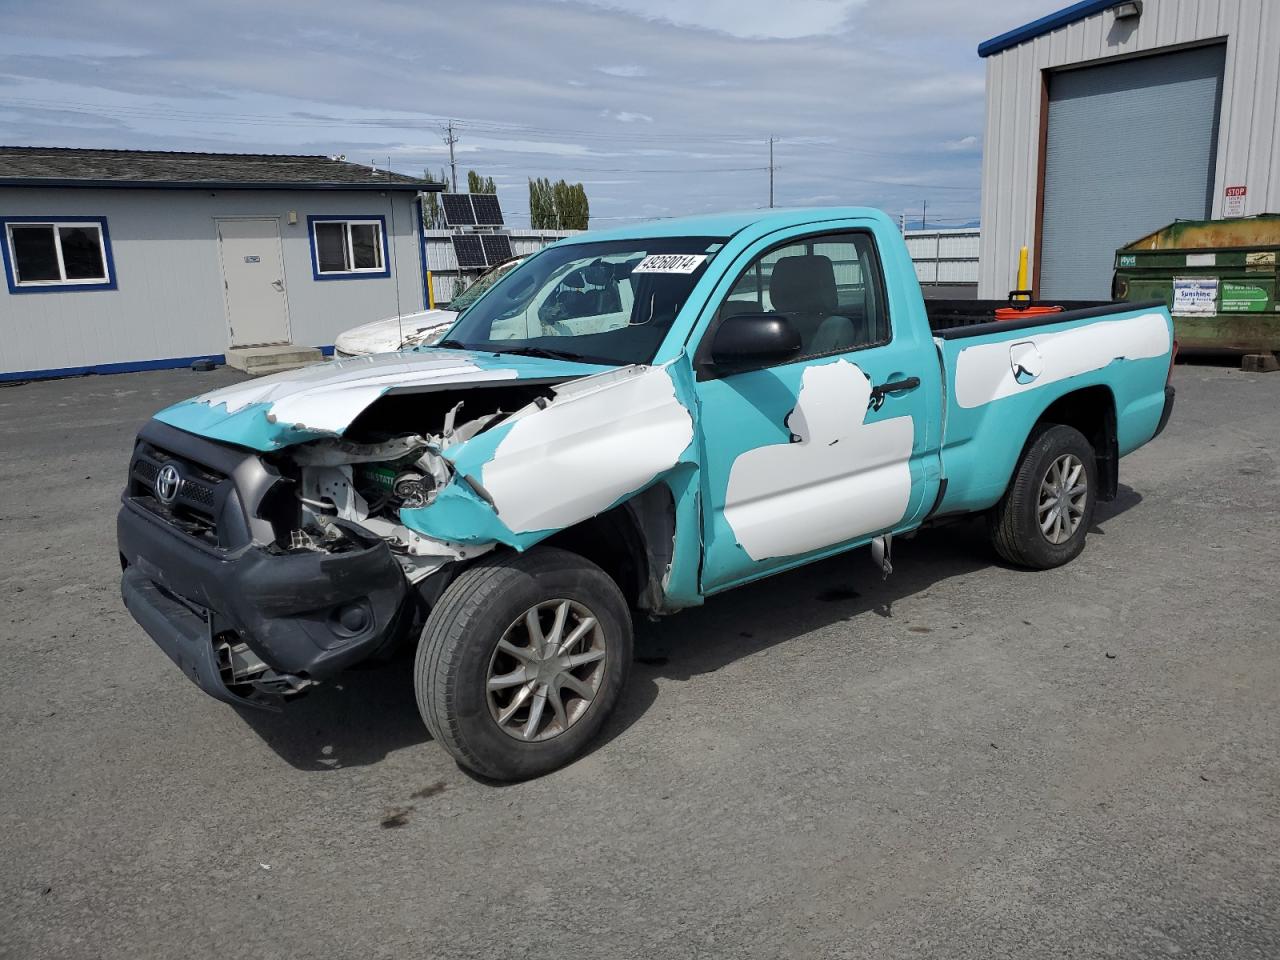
x,y
471,209
488,213
469,250
457,209
497,247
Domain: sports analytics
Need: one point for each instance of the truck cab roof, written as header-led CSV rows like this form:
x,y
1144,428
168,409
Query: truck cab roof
x,y
751,222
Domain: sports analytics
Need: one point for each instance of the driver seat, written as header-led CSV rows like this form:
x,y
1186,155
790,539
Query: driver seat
x,y
804,288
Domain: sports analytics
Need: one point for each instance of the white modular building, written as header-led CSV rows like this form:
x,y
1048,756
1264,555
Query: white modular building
x,y
1107,120
118,260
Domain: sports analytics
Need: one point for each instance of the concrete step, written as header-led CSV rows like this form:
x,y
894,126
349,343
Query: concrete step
x,y
259,361
271,368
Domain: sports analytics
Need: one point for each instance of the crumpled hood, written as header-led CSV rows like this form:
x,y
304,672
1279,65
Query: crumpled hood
x,y
322,400
386,335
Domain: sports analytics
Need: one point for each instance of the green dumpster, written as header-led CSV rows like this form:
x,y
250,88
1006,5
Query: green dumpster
x,y
1219,278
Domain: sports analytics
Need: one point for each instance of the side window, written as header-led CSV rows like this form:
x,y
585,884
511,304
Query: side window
x,y
829,288
344,248
57,254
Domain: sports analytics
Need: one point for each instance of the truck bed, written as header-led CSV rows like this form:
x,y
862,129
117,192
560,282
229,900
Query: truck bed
x,y
949,314
1002,376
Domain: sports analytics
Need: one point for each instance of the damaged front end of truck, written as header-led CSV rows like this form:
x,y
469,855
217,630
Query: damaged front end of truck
x,y
277,532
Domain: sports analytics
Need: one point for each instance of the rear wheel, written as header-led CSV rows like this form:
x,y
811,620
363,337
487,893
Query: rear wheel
x,y
1044,516
522,660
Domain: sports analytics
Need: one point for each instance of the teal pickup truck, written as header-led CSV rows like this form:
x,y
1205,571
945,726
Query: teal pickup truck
x,y
629,421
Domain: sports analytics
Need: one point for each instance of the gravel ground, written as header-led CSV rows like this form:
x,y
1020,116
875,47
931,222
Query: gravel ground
x,y
963,761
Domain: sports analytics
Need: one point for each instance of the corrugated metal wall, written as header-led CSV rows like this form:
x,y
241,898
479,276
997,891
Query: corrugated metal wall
x,y
945,256
444,265
1249,131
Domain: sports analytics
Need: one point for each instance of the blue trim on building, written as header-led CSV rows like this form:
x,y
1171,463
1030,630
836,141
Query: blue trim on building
x,y
1036,28
128,366
313,219
422,254
10,274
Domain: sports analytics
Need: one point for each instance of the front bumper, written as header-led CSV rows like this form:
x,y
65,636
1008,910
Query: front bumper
x,y
251,625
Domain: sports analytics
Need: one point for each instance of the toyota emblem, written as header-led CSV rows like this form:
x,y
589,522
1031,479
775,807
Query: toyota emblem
x,y
168,483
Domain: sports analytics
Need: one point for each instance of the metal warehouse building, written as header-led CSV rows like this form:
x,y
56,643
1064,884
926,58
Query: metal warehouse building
x,y
1108,120
129,260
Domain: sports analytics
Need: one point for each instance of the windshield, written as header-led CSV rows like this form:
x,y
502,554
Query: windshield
x,y
610,302
486,280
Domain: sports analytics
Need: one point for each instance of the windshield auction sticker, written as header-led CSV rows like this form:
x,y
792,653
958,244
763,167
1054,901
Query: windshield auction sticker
x,y
670,263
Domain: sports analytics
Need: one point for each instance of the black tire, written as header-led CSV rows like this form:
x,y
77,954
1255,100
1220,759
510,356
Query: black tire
x,y
459,641
1013,524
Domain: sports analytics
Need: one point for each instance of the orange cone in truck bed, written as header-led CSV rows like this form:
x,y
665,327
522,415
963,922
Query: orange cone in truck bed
x,y
1022,313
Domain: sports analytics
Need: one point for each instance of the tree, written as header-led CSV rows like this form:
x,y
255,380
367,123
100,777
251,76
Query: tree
x,y
432,211
578,212
479,184
542,211
557,206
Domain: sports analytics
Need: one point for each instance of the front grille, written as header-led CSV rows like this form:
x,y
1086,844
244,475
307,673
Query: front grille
x,y
195,507
199,493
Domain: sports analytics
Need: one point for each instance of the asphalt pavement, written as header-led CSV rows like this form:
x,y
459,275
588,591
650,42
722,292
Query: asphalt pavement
x,y
962,761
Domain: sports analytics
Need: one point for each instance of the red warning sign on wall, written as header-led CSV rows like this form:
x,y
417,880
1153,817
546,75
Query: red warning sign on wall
x,y
1233,201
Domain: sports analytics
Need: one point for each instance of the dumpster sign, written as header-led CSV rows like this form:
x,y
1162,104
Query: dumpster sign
x,y
1243,298
1194,296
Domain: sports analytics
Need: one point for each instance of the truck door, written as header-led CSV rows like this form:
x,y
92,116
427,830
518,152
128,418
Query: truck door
x,y
808,456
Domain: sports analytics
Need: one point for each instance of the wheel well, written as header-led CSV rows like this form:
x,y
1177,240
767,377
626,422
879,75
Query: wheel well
x,y
1092,411
632,542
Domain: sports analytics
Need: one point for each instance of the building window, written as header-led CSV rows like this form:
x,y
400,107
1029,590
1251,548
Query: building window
x,y
42,254
345,248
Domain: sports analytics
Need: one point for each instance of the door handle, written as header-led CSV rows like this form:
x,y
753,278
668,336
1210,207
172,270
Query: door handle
x,y
278,284
880,393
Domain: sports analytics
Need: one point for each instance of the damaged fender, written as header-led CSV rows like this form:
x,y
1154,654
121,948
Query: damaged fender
x,y
550,465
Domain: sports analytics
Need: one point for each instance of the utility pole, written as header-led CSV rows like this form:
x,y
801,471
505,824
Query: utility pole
x,y
451,138
772,141
924,214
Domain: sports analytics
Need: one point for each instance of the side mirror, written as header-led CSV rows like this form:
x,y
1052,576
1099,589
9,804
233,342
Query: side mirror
x,y
754,339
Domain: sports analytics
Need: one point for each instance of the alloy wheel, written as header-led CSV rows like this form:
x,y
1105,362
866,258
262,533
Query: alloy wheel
x,y
546,670
1064,492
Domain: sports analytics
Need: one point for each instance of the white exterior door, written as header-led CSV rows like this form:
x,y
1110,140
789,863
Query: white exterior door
x,y
253,282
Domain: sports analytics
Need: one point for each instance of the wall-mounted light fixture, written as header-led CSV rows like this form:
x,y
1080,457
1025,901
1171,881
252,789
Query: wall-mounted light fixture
x,y
1129,10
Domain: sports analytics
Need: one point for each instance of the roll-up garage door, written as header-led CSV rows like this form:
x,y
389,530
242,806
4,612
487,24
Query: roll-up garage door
x,y
1130,148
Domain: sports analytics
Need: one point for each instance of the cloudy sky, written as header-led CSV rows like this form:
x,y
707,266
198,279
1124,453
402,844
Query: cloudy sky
x,y
659,107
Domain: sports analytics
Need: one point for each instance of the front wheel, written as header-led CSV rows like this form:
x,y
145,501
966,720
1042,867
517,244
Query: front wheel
x,y
1042,519
522,660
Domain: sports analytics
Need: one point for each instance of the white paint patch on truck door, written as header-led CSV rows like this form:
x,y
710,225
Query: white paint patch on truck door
x,y
602,438
843,479
987,371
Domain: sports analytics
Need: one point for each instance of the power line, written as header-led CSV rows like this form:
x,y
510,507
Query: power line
x,y
422,121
